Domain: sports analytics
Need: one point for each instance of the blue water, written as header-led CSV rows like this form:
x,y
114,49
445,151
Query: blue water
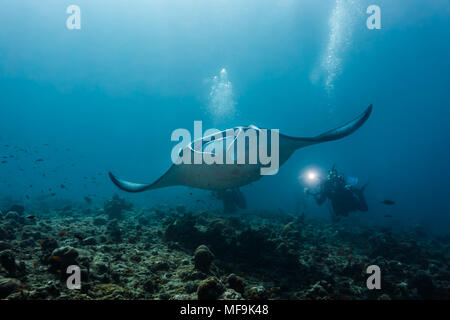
x,y
108,96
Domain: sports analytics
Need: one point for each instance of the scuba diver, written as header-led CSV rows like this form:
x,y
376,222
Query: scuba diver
x,y
345,197
232,199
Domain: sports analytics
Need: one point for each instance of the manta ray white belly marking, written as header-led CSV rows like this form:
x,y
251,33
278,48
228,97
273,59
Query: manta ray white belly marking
x,y
225,176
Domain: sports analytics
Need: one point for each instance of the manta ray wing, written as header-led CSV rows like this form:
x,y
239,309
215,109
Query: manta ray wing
x,y
167,179
334,134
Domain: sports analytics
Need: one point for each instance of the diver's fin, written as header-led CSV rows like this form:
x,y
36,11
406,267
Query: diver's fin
x,y
334,134
129,186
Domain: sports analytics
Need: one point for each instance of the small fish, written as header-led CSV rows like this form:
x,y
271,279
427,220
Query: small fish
x,y
128,271
4,161
388,216
27,196
39,160
56,258
58,270
35,264
63,233
52,194
62,186
388,202
31,217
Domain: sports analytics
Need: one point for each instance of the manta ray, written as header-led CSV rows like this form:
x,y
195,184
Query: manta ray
x,y
227,176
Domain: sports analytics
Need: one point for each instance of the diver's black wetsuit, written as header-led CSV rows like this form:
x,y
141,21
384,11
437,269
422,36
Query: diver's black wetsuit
x,y
232,200
344,198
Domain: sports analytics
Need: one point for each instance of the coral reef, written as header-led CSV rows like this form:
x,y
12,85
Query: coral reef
x,y
210,289
172,253
203,258
116,206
